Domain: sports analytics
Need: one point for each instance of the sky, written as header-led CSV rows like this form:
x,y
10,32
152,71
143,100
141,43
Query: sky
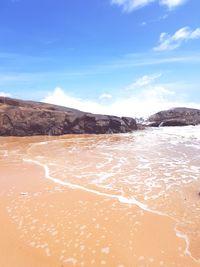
x,y
121,57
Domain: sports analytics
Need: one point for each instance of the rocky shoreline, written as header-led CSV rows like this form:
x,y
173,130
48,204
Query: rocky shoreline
x,y
175,117
27,118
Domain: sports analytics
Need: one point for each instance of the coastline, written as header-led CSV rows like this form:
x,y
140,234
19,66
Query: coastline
x,y
144,238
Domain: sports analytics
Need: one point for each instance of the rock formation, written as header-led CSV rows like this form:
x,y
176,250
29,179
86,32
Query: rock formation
x,y
175,117
26,118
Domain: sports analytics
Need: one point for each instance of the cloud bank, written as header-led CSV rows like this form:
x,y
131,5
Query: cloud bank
x,y
5,94
171,42
142,104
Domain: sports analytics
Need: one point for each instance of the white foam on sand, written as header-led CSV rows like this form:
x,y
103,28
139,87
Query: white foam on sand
x,y
187,251
121,199
186,137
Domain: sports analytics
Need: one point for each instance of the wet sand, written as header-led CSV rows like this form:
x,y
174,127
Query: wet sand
x,y
45,224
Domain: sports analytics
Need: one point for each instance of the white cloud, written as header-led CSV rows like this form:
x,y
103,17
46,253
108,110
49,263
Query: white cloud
x,y
142,104
171,42
144,23
130,5
59,97
172,3
5,94
143,81
105,96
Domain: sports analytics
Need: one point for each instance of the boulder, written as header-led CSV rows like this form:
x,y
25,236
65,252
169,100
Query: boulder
x,y
27,118
175,117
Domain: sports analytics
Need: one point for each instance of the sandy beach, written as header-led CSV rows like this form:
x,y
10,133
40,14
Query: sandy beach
x,y
100,133
47,224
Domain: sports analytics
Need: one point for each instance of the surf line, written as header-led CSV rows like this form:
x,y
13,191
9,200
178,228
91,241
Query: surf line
x,y
187,249
121,199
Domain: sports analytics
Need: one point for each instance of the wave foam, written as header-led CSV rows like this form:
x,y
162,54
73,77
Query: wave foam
x,y
121,199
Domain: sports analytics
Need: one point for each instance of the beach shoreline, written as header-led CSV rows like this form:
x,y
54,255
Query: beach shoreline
x,y
129,236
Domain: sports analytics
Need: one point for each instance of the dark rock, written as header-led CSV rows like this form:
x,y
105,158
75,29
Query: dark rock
x,y
22,118
175,117
130,122
173,123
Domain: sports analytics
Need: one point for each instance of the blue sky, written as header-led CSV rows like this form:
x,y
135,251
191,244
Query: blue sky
x,y
123,57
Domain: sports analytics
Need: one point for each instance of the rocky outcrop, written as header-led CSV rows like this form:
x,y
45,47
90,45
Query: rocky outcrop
x,y
26,118
175,117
